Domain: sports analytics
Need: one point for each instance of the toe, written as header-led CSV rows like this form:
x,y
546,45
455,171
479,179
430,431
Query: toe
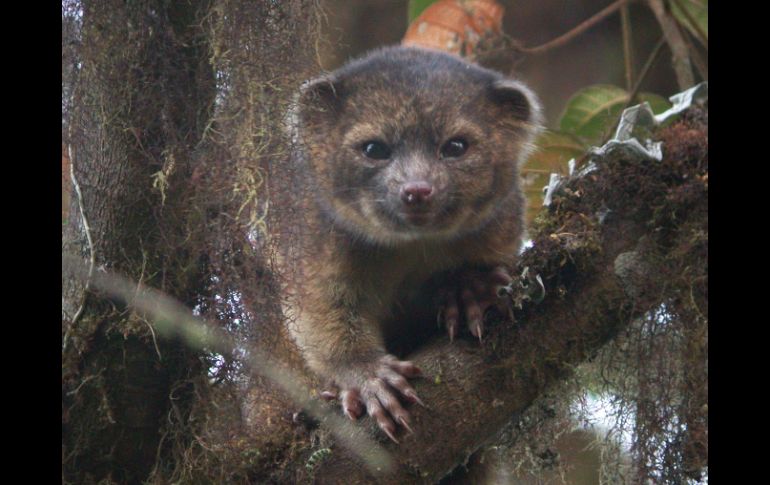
x,y
404,367
452,316
351,404
376,410
389,401
400,384
473,313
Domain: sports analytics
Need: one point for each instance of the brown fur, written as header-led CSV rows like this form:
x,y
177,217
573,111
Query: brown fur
x,y
360,263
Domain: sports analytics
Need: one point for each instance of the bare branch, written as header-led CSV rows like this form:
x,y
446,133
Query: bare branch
x,y
567,37
679,51
628,48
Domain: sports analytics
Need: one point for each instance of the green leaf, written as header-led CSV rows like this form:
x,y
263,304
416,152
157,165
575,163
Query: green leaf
x,y
416,7
658,103
698,10
554,150
593,111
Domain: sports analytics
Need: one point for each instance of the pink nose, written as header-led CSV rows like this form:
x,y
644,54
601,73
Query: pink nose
x,y
416,193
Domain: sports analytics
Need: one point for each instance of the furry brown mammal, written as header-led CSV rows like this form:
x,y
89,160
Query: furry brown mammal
x,y
410,170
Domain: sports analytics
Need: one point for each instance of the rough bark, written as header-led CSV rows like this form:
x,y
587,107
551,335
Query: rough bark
x,y
141,89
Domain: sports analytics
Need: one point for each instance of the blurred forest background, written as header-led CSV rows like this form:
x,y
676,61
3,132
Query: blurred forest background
x,y
353,27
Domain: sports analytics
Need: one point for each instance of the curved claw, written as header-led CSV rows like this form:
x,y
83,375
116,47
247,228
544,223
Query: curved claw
x,y
390,434
475,291
414,398
378,395
405,424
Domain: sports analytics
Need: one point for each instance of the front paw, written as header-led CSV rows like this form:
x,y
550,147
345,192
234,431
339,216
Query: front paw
x,y
376,388
468,296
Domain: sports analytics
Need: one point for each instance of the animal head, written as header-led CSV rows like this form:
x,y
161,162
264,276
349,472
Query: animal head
x,y
413,144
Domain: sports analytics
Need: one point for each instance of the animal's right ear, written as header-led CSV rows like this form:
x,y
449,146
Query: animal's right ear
x,y
517,100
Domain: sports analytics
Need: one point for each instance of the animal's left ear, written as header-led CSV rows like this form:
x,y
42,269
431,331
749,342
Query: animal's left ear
x,y
516,99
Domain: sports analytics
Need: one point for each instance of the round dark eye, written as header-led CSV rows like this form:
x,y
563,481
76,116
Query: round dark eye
x,y
454,148
376,150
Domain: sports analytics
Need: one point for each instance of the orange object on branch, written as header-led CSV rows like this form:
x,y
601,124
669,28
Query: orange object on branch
x,y
456,26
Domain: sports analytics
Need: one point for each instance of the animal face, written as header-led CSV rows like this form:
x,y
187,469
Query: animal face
x,y
410,144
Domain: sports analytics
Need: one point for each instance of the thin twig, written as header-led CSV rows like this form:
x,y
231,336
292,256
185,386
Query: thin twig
x,y
700,64
136,293
171,318
628,48
701,36
92,257
82,383
680,54
582,27
646,69
642,75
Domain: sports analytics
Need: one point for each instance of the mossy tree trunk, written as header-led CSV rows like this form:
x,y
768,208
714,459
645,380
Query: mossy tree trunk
x,y
141,98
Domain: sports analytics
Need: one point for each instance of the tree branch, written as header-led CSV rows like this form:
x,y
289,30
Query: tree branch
x,y
481,388
472,391
679,51
628,49
582,27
